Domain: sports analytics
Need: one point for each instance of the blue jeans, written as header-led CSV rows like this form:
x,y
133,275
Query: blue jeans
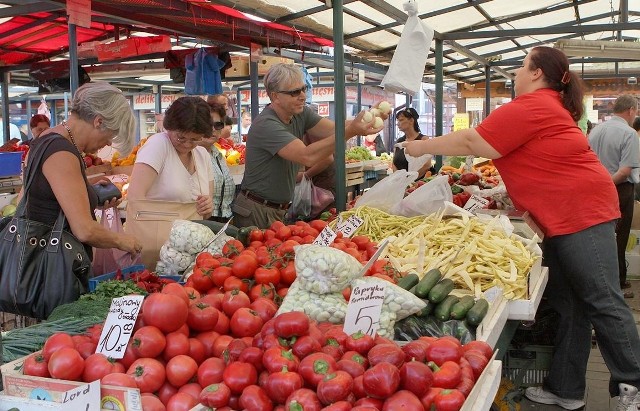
x,y
584,289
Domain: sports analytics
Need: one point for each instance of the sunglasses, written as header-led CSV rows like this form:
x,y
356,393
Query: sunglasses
x,y
218,125
294,93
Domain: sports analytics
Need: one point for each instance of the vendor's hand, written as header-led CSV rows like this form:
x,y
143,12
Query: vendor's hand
x,y
361,128
414,148
130,244
113,203
204,206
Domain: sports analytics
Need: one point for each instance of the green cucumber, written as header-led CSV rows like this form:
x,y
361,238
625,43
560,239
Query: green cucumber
x,y
440,291
477,313
443,310
408,281
428,281
462,307
427,309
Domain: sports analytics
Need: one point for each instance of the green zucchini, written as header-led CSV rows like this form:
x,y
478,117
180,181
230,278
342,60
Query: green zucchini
x,y
440,291
462,307
427,309
443,310
477,313
408,281
428,281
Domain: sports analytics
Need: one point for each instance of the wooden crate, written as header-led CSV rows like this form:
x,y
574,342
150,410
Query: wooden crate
x,y
10,321
354,173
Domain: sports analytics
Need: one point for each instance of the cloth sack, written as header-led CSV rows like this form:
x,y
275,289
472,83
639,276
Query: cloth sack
x,y
150,221
41,267
108,260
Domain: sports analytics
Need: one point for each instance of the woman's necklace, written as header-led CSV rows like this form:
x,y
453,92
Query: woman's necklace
x,y
66,127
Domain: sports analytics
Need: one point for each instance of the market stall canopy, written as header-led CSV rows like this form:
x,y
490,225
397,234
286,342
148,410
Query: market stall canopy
x,y
475,33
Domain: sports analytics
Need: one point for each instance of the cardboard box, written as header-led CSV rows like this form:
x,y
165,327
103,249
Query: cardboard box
x,y
239,67
633,264
8,402
266,62
25,386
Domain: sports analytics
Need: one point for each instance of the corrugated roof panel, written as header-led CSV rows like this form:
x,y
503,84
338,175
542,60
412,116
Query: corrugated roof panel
x,y
455,20
351,24
504,8
382,39
369,12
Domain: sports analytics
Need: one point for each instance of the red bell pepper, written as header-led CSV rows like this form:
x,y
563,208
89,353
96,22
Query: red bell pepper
x,y
446,376
449,400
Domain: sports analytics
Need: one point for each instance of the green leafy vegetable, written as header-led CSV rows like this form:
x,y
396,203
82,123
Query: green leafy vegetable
x,y
113,289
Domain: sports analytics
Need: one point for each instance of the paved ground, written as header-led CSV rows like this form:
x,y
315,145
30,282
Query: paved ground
x,y
597,397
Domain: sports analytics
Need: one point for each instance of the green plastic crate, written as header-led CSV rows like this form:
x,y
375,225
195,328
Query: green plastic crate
x,y
527,365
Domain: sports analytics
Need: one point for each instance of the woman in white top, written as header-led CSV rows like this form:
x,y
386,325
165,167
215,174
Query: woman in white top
x,y
171,166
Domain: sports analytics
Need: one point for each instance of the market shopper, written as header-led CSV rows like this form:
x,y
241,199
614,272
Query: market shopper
x,y
407,121
275,148
38,124
577,218
617,145
100,115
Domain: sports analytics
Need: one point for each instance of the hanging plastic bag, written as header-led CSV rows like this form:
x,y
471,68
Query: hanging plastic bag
x,y
407,65
108,260
320,199
300,208
416,163
388,192
425,200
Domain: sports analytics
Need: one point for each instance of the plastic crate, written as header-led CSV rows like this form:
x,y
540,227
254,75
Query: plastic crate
x,y
10,164
126,273
527,365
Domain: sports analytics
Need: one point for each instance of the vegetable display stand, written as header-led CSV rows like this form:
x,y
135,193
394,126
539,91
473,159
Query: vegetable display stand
x,y
484,391
8,402
354,173
525,310
491,327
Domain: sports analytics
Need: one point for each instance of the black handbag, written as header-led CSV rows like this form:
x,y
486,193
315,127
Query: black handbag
x,y
41,266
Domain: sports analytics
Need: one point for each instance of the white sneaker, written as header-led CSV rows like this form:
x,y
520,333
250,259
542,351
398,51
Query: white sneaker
x,y
629,399
537,394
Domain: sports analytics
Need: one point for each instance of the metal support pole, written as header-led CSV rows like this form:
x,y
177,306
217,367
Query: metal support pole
x,y
487,91
439,106
253,76
4,86
66,105
73,59
157,89
340,103
29,112
359,107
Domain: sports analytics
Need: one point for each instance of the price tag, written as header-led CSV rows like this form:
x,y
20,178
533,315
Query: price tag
x,y
326,237
83,398
349,227
119,325
475,202
363,311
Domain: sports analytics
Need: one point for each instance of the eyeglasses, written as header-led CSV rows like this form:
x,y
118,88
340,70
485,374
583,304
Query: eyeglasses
x,y
218,125
182,139
294,93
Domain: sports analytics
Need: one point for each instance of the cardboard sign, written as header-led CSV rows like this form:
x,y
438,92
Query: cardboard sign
x,y
475,202
83,398
363,311
119,325
349,227
326,237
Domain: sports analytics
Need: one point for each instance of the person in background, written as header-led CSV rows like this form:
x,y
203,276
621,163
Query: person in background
x,y
407,121
374,143
224,188
14,131
38,124
618,148
275,148
245,124
548,151
100,115
589,127
171,166
223,101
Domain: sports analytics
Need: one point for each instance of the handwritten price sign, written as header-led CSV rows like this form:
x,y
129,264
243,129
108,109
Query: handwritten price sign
x,y
475,202
363,311
83,398
349,227
326,237
119,325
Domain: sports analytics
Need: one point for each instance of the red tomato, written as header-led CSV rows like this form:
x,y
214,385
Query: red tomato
x,y
269,234
98,365
55,343
151,403
148,342
221,344
177,344
288,273
233,300
36,365
214,298
244,266
181,401
215,395
256,235
334,387
86,349
129,356
202,317
177,290
252,355
318,224
232,248
481,346
361,241
208,339
390,353
119,379
262,290
286,249
305,399
149,374
381,380
283,233
267,275
201,279
315,366
165,311
403,400
239,375
281,384
180,369
245,322
66,364
291,324
197,350
210,371
201,257
235,283
254,398
222,327
276,225
416,377
220,274
233,350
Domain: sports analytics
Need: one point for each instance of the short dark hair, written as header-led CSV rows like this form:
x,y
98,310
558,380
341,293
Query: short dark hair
x,y
189,114
636,124
37,119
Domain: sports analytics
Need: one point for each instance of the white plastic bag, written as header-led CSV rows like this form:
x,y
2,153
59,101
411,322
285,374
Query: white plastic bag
x,y
388,192
324,270
416,163
425,200
407,65
300,208
319,307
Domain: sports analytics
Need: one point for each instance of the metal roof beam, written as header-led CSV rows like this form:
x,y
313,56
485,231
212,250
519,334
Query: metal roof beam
x,y
300,14
23,9
478,58
583,29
